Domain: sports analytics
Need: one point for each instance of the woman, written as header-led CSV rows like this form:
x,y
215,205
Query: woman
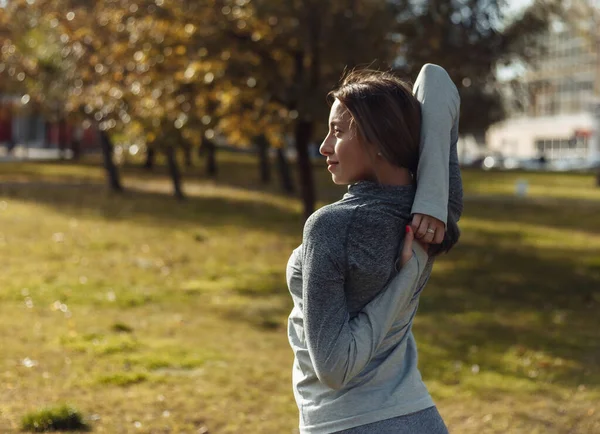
x,y
355,368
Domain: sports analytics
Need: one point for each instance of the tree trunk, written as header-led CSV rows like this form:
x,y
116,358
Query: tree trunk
x,y
62,138
174,172
76,149
75,145
112,173
187,156
264,162
47,136
150,158
211,158
285,174
598,178
307,188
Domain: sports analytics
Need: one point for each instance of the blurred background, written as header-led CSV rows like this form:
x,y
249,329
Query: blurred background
x,y
158,159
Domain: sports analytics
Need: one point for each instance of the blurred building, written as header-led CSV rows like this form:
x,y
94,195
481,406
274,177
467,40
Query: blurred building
x,y
21,126
551,107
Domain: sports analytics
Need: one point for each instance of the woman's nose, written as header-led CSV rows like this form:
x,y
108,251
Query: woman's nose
x,y
326,148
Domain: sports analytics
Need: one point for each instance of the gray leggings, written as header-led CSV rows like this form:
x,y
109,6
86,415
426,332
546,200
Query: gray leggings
x,y
426,421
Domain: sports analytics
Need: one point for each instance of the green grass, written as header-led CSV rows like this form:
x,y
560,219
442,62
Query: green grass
x,y
59,418
542,185
153,315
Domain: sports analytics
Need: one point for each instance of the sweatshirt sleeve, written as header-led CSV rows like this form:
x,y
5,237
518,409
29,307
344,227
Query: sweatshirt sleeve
x,y
340,347
440,108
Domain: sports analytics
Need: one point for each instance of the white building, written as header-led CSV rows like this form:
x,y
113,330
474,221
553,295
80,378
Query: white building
x,y
551,106
554,137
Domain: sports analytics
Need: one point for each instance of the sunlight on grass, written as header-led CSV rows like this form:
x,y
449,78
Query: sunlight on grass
x,y
99,344
123,378
540,184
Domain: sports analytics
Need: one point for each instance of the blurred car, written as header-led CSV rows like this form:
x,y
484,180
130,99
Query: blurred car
x,y
493,162
532,164
584,164
500,162
566,164
511,163
486,162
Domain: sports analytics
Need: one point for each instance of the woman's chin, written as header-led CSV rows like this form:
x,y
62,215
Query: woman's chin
x,y
338,181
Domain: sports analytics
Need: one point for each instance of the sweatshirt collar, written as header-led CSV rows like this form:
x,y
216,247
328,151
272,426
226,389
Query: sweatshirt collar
x,y
387,192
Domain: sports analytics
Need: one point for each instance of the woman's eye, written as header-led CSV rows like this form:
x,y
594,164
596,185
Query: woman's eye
x,y
337,131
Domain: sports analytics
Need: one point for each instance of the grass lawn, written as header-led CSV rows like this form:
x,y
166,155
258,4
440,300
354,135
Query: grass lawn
x,y
155,316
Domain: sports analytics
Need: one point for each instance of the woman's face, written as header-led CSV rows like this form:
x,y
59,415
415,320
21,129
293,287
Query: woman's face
x,y
348,160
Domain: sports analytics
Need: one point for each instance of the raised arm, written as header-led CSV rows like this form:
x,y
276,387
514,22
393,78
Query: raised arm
x,y
340,347
438,173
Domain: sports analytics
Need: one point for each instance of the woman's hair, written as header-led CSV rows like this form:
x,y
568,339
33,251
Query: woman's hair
x,y
387,115
451,237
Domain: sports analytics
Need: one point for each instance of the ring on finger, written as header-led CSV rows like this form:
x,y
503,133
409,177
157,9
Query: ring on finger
x,y
430,231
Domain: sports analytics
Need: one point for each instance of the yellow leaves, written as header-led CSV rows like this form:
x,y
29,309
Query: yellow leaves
x,y
150,103
190,72
274,134
151,55
30,64
209,77
226,98
80,33
190,29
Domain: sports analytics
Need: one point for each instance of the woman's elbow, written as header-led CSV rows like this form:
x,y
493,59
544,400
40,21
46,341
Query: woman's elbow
x,y
437,74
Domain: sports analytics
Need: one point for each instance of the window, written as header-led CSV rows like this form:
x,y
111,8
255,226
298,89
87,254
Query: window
x,y
562,148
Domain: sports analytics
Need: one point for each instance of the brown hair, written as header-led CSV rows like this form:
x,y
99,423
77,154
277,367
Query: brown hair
x,y
385,112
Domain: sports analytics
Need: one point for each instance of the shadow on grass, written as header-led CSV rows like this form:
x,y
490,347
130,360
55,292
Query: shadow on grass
x,y
75,188
242,171
155,208
575,214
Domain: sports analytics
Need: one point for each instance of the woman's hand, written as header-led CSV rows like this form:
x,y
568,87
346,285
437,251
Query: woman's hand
x,y
407,249
428,229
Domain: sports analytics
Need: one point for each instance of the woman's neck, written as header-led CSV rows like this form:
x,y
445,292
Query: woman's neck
x,y
393,175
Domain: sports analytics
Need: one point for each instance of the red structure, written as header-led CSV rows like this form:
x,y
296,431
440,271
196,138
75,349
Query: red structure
x,y
30,129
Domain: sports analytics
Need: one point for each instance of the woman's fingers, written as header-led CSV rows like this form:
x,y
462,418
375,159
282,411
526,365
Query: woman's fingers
x,y
426,232
429,230
440,231
421,231
416,222
407,252
437,229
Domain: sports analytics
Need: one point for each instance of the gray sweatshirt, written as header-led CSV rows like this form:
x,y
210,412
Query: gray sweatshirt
x,y
350,328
